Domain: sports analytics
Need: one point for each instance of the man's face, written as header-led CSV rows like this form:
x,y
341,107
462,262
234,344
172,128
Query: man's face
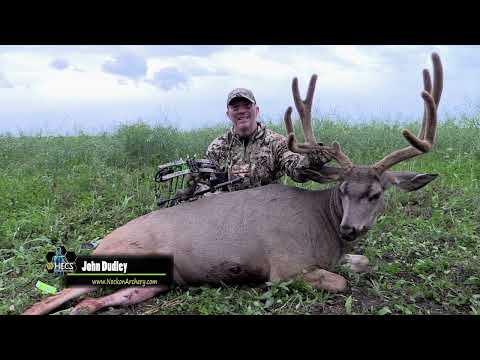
x,y
243,115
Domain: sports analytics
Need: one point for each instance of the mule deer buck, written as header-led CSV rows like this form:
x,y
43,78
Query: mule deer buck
x,y
270,233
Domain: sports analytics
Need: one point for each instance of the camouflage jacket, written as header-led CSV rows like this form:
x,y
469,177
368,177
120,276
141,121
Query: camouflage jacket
x,y
261,159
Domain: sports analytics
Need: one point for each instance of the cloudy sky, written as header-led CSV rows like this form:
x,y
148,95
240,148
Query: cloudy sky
x,y
64,89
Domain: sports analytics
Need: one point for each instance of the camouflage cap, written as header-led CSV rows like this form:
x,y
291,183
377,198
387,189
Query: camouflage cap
x,y
241,92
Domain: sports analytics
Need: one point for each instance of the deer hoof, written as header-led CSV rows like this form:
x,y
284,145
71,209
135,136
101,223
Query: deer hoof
x,y
357,263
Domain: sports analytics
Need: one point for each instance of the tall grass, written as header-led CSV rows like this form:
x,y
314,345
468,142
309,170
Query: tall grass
x,y
140,145
73,189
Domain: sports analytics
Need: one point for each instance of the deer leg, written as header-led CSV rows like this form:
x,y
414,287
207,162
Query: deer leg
x,y
52,302
325,280
356,263
127,296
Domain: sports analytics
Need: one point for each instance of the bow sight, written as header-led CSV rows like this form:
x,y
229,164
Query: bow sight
x,y
201,171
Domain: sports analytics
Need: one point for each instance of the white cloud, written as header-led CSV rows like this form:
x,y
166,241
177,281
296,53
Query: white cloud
x,y
126,64
59,64
169,78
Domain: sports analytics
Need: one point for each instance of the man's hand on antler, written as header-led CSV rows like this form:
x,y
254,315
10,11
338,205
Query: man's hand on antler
x,y
313,160
318,157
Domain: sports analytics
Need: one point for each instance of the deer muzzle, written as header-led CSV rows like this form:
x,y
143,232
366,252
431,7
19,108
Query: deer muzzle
x,y
350,232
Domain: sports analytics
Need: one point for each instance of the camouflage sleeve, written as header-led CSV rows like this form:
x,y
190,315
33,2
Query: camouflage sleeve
x,y
215,151
288,162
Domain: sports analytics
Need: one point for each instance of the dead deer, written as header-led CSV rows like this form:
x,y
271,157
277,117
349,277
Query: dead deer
x,y
274,232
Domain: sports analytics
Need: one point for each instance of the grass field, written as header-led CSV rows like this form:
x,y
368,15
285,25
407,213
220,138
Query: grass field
x,y
424,252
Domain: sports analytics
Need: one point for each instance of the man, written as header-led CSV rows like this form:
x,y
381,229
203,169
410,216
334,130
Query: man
x,y
255,153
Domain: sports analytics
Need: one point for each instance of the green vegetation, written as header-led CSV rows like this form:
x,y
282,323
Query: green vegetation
x,y
424,252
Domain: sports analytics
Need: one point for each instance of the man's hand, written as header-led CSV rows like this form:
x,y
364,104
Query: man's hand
x,y
312,161
319,157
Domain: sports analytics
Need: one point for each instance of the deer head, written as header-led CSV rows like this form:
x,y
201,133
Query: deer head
x,y
361,188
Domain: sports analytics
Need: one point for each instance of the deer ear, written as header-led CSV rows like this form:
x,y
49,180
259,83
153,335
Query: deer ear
x,y
324,174
409,181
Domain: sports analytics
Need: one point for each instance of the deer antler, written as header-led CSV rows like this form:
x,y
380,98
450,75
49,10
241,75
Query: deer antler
x,y
304,108
426,137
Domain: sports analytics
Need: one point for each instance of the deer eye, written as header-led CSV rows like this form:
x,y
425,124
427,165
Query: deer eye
x,y
374,197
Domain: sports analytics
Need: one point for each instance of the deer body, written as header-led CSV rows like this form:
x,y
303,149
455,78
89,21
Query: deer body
x,y
272,232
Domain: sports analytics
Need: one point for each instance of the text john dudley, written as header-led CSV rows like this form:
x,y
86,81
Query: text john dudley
x,y
104,266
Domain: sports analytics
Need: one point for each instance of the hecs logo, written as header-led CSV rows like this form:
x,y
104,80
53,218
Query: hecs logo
x,y
61,261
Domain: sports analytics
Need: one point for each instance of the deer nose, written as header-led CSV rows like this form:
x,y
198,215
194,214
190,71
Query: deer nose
x,y
347,229
350,233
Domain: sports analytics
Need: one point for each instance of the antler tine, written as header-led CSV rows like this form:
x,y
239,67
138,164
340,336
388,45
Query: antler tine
x,y
342,159
292,142
427,86
304,108
426,138
438,78
293,145
437,91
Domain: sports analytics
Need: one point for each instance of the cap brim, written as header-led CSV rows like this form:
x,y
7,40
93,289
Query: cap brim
x,y
241,96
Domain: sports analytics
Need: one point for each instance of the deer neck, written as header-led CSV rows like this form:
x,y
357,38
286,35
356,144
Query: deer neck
x,y
335,212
